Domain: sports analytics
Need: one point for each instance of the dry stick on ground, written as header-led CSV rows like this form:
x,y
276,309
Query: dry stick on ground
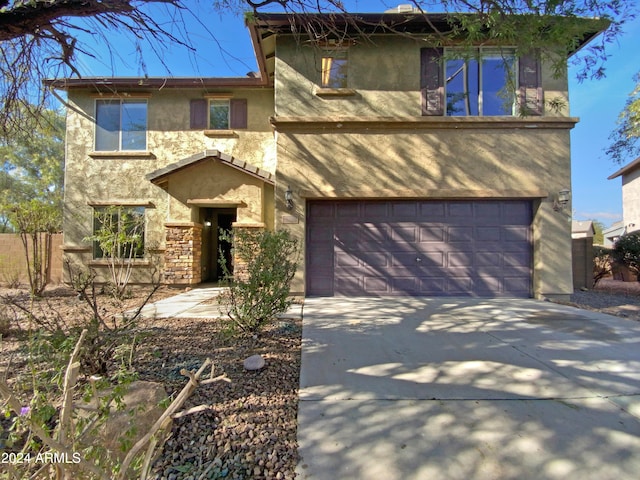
x,y
165,419
70,379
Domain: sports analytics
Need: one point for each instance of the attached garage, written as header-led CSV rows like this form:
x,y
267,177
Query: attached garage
x,y
419,247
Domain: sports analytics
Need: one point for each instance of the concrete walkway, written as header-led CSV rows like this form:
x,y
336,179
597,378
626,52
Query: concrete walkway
x,y
424,388
199,303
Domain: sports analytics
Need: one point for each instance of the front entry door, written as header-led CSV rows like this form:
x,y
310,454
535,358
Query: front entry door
x,y
213,249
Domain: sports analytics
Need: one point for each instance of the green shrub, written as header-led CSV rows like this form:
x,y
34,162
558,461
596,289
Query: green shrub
x,y
265,263
602,263
627,251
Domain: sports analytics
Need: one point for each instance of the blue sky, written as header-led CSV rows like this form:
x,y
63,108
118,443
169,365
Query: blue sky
x,y
225,50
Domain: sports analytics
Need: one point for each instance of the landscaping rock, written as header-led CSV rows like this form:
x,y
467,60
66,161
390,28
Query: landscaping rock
x,y
140,412
254,362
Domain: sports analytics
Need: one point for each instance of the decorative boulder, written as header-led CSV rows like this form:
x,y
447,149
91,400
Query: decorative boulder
x,y
254,362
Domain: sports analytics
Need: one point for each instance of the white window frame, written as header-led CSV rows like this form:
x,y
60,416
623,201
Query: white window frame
x,y
120,131
482,53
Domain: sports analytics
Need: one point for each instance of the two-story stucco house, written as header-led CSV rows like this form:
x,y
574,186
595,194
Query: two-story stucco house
x,y
630,195
402,166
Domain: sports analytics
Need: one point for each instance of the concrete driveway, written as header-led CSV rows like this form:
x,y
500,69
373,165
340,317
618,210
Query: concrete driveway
x,y
449,388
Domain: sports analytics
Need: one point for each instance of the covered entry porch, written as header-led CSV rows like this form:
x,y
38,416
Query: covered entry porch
x,y
207,192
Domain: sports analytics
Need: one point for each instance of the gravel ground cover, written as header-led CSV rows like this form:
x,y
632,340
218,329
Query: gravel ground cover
x,y
613,297
248,429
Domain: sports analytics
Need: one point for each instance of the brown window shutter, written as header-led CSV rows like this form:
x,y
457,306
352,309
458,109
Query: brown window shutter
x,y
238,113
198,114
530,81
431,81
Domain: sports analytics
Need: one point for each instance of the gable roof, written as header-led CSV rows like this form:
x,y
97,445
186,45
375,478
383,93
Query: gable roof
x,y
585,226
157,176
626,169
263,29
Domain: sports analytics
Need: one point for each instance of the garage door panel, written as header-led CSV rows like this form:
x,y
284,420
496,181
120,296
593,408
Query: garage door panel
x,y
408,259
486,285
419,248
488,211
459,285
320,210
347,210
348,286
432,234
377,259
406,285
460,259
459,210
432,286
432,210
516,259
459,234
488,259
519,213
376,211
344,259
515,234
404,209
404,234
488,234
376,285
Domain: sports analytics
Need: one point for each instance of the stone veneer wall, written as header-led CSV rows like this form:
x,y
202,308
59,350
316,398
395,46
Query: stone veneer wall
x,y
183,253
239,265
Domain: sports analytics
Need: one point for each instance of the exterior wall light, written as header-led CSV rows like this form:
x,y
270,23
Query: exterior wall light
x,y
562,200
288,197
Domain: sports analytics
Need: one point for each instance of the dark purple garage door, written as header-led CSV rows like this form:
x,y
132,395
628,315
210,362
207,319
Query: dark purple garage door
x,y
408,247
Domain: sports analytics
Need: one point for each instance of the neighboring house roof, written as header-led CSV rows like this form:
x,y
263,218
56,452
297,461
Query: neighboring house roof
x,y
626,169
612,233
264,27
582,228
157,176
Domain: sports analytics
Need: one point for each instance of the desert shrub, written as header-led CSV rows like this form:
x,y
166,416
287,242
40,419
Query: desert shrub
x,y
602,263
119,237
10,272
259,287
627,251
36,222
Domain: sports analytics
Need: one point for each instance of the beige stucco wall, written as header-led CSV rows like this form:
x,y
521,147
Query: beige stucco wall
x,y
631,200
325,152
99,179
384,72
442,163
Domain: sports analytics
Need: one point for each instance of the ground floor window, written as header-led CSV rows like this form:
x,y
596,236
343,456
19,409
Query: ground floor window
x,y
118,231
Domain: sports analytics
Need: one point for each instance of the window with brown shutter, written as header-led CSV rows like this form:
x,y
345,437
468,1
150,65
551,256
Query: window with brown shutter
x,y
486,83
530,85
238,113
431,81
218,114
198,116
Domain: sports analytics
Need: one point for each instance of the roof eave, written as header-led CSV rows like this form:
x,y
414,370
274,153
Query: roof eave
x,y
145,83
626,169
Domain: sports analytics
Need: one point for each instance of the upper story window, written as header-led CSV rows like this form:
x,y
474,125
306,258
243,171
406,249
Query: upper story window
x,y
221,114
484,85
493,82
121,125
334,70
